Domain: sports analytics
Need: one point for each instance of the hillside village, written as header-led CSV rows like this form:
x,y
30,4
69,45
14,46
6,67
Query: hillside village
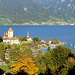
x,y
8,38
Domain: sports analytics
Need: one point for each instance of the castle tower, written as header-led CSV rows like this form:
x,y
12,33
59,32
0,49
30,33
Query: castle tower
x,y
10,32
4,35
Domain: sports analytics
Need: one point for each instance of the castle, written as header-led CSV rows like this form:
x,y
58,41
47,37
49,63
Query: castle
x,y
9,38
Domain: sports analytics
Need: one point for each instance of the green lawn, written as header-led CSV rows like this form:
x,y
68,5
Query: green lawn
x,y
4,67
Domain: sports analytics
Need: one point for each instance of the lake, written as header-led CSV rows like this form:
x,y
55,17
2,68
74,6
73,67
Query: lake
x,y
63,33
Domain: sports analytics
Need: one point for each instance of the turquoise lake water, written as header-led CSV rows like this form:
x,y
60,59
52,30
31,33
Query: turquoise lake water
x,y
63,33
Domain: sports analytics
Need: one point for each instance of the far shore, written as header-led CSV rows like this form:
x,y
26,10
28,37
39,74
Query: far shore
x,y
37,25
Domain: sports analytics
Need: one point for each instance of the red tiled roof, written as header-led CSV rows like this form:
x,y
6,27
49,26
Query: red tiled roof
x,y
14,38
12,47
8,38
10,29
6,33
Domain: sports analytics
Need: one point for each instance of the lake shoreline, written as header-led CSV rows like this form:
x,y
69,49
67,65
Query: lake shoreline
x,y
37,25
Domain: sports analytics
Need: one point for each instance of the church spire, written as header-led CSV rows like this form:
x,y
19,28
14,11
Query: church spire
x,y
6,33
27,34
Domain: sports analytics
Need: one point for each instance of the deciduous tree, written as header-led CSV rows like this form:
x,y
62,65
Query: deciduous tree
x,y
60,54
24,38
36,39
25,64
2,51
1,39
20,38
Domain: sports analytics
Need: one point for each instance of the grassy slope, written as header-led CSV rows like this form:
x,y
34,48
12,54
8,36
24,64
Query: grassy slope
x,y
4,67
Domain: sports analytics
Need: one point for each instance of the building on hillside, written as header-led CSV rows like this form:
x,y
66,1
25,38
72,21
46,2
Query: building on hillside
x,y
28,37
8,37
48,42
7,54
43,41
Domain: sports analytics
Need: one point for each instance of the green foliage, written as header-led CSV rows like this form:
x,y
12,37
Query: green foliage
x,y
55,41
71,20
59,61
2,51
20,38
18,51
8,46
27,50
4,67
66,69
15,53
7,61
36,39
60,54
37,47
48,59
26,43
24,39
48,49
4,19
39,53
19,15
1,39
40,62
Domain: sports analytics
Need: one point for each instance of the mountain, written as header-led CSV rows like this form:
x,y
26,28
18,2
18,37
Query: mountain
x,y
60,8
36,11
20,11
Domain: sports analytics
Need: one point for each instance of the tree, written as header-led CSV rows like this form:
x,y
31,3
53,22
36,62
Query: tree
x,y
15,53
24,39
26,64
36,39
20,38
55,41
1,39
68,68
48,49
18,51
2,51
27,50
60,54
39,53
7,46
48,59
40,62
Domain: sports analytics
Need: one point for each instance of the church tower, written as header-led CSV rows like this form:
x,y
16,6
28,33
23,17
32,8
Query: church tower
x,y
27,34
10,32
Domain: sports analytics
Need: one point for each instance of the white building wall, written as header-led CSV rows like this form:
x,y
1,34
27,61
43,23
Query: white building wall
x,y
15,41
4,41
30,39
11,41
10,34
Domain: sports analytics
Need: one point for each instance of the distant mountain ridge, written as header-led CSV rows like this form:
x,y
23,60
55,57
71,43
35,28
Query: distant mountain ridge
x,y
23,10
38,11
60,8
